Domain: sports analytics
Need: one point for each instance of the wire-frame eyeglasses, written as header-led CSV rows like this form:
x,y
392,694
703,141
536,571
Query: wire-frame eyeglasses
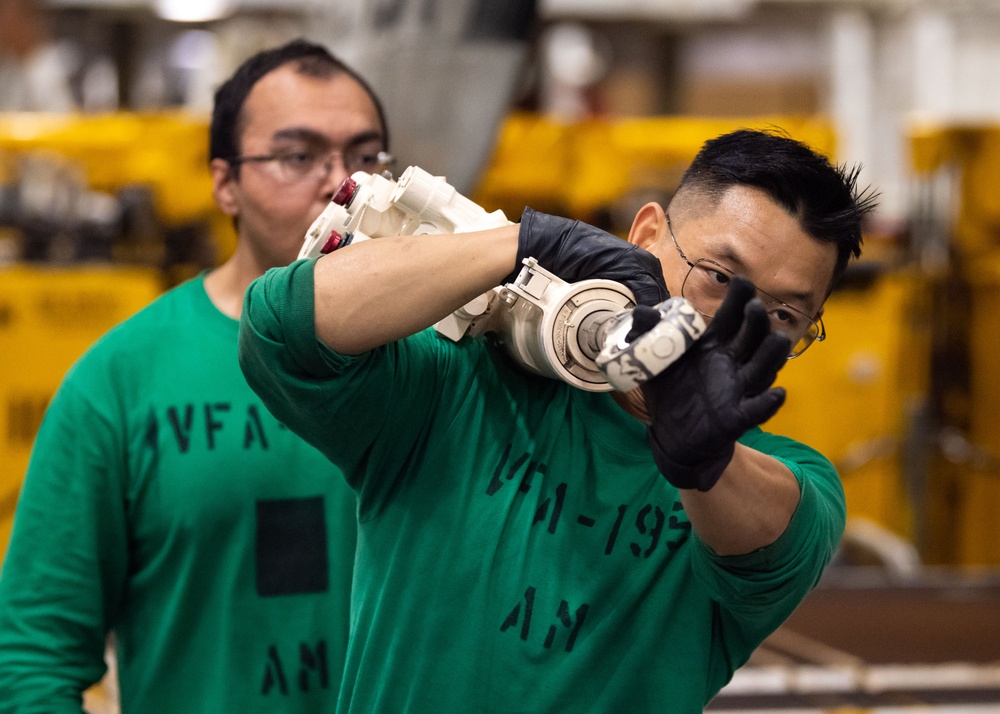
x,y
705,287
295,166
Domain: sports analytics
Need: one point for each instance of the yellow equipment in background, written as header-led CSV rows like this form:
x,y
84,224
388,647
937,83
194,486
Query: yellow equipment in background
x,y
152,168
167,152
48,318
977,519
588,168
55,172
964,492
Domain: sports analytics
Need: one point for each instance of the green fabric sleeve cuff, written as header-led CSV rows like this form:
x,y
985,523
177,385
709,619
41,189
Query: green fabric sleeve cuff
x,y
314,356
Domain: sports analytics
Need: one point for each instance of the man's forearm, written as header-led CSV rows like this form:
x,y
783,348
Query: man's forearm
x,y
748,508
384,289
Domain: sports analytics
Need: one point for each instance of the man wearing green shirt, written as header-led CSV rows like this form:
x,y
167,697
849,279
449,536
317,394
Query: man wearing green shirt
x,y
162,501
525,546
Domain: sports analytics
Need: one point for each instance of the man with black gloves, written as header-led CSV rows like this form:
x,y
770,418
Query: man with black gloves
x,y
527,546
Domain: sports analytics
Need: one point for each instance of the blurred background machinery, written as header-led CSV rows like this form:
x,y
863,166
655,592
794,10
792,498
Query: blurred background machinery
x,y
962,254
124,188
590,108
98,214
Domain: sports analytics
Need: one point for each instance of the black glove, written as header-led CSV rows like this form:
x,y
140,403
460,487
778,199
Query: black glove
x,y
577,251
717,390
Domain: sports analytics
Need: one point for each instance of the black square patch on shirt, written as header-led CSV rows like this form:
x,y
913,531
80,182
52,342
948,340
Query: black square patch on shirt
x,y
291,547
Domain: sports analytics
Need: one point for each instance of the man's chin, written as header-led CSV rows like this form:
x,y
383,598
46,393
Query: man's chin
x,y
633,402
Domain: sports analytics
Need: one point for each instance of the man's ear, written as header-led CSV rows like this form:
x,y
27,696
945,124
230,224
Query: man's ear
x,y
648,226
223,185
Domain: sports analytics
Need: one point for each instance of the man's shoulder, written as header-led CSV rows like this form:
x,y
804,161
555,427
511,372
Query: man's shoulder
x,y
154,327
775,444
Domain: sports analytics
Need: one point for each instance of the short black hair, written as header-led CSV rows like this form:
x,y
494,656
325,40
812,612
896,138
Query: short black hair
x,y
824,198
310,59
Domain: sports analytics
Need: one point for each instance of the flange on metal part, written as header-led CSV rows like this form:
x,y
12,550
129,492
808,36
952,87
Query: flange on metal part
x,y
553,328
626,365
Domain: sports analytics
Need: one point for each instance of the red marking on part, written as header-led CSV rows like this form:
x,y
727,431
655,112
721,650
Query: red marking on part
x,y
332,243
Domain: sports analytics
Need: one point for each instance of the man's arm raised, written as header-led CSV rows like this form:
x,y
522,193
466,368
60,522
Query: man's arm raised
x,y
385,289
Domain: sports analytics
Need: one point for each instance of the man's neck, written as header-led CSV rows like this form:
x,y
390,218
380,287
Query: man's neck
x,y
226,284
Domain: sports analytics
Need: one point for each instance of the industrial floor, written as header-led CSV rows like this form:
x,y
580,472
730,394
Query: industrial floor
x,y
862,643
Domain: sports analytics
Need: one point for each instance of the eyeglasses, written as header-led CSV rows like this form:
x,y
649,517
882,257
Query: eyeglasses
x,y
296,166
705,287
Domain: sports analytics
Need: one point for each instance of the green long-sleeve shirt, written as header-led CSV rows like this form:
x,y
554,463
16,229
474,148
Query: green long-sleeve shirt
x,y
164,502
518,550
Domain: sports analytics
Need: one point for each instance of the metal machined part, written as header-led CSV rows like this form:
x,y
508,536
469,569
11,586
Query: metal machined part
x,y
552,327
569,331
626,365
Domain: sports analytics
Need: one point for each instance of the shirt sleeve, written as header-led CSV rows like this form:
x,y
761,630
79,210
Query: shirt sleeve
x,y
63,576
756,592
366,413
791,566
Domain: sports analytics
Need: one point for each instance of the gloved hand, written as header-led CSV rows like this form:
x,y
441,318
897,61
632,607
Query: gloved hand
x,y
717,390
577,251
